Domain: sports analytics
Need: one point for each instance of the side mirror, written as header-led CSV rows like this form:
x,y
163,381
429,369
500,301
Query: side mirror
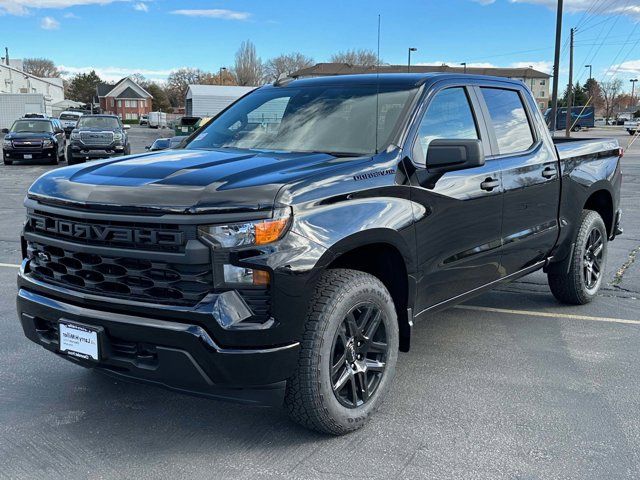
x,y
451,155
148,147
126,126
5,130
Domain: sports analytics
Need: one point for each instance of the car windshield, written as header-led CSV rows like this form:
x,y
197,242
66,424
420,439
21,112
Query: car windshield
x,y
161,143
332,119
69,116
32,126
108,123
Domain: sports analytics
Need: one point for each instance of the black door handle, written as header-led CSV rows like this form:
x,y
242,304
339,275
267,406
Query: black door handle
x,y
549,172
489,184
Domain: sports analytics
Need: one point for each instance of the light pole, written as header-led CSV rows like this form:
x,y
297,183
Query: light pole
x,y
222,69
590,67
633,90
411,49
464,64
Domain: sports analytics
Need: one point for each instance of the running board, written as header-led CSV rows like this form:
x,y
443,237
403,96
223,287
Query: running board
x,y
479,290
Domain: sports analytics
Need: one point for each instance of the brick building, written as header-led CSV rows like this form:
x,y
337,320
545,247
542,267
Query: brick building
x,y
126,99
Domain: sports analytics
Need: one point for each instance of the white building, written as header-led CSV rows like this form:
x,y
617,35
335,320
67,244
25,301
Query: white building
x,y
209,100
15,81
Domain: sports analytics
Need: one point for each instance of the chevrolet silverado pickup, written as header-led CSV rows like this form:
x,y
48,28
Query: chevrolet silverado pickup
x,y
282,254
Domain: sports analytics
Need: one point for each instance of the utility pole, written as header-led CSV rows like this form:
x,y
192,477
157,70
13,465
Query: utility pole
x,y
464,64
556,68
411,49
570,87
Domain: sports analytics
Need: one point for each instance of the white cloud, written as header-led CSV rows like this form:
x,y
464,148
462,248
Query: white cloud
x,y
24,7
49,23
612,7
141,7
541,66
631,67
71,15
113,74
214,13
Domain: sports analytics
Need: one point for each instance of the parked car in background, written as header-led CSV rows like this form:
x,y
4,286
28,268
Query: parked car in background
x,y
631,126
157,120
288,265
144,120
165,143
97,136
69,120
34,139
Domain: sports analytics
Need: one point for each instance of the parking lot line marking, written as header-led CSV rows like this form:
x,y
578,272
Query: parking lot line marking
x,y
9,265
568,316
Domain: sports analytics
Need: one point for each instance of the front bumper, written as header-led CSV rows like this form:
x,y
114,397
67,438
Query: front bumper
x,y
31,154
79,150
176,355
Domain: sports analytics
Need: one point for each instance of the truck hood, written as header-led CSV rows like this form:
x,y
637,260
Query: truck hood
x,y
182,181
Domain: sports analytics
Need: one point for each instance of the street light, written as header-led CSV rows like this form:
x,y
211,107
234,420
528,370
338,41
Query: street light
x,y
590,67
464,64
633,89
222,69
411,49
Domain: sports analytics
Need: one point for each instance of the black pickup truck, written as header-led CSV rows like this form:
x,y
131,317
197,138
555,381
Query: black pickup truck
x,y
284,252
97,136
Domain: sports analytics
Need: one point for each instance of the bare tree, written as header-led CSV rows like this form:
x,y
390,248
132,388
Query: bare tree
x,y
362,57
41,67
610,91
248,68
178,82
285,65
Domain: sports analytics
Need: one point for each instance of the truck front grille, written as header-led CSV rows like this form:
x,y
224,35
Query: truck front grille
x,y
121,277
97,138
27,144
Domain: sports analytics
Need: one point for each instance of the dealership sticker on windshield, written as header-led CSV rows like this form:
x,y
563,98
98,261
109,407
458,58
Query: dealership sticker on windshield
x,y
78,341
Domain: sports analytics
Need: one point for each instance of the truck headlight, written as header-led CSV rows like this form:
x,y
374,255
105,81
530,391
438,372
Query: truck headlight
x,y
6,143
260,232
117,137
47,143
75,135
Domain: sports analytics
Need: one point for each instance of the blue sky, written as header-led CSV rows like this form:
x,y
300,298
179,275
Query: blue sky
x,y
120,37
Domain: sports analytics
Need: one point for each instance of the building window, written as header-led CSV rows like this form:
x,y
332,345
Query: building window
x,y
119,103
543,82
542,94
542,106
113,102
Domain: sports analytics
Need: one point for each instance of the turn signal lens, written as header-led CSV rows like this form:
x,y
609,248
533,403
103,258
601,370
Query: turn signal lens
x,y
261,278
270,230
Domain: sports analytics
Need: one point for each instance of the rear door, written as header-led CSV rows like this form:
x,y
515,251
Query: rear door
x,y
460,213
530,176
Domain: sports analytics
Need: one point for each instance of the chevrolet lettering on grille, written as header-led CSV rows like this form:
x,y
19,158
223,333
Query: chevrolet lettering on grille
x,y
105,233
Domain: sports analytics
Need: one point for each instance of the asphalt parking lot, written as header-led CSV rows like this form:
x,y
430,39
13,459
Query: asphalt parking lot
x,y
510,385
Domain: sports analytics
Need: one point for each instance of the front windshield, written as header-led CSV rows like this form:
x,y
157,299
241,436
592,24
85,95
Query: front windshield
x,y
31,126
108,123
332,119
161,143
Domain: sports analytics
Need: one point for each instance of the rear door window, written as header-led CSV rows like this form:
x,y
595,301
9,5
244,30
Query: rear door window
x,y
509,119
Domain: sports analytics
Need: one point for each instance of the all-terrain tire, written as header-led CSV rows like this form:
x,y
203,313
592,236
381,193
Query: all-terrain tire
x,y
571,287
309,397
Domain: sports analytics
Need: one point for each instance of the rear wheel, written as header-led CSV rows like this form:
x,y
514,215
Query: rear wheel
x,y
581,283
348,354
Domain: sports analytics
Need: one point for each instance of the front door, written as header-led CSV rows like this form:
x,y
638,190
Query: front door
x,y
458,214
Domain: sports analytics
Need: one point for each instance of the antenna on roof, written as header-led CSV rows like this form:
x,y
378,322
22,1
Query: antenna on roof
x,y
378,85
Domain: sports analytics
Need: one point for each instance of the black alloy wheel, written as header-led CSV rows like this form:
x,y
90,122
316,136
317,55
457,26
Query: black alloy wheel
x,y
358,356
592,259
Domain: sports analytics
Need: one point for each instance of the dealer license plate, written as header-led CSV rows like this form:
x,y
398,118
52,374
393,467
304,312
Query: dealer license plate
x,y
28,156
79,341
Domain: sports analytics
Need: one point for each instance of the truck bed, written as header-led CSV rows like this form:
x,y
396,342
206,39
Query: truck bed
x,y
578,147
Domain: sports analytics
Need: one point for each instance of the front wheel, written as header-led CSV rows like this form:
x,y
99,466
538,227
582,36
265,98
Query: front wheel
x,y
580,284
348,353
